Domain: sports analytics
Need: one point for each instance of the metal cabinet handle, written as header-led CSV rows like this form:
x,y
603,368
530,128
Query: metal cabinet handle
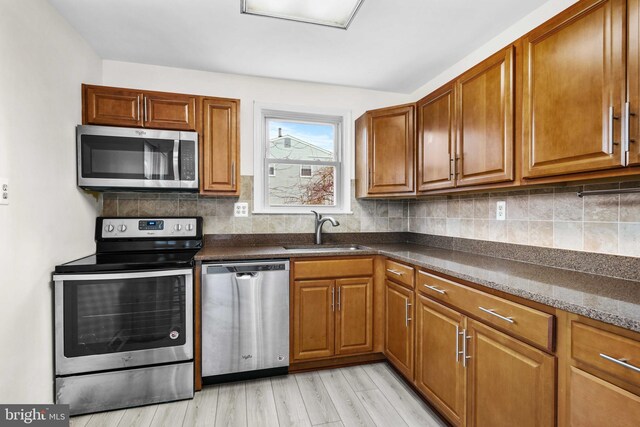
x,y
492,312
612,117
458,352
451,167
396,272
138,103
626,132
333,299
406,313
465,337
233,174
621,362
145,108
339,288
433,288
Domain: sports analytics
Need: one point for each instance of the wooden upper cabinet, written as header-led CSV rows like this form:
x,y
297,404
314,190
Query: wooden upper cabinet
x,y
354,315
220,172
439,369
633,81
436,138
112,106
485,121
574,89
398,337
509,383
388,141
173,111
313,319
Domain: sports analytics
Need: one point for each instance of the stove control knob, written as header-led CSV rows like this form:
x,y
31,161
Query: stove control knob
x,y
109,228
122,228
189,227
178,227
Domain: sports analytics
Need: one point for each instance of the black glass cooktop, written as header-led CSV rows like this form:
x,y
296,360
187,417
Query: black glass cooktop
x,y
98,263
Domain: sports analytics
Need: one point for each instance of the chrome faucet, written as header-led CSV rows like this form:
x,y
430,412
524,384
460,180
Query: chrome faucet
x,y
320,220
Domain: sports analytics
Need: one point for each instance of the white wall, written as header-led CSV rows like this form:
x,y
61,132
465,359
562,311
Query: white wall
x,y
49,221
247,89
511,34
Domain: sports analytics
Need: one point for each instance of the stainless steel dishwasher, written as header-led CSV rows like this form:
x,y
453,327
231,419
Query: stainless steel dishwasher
x,y
245,320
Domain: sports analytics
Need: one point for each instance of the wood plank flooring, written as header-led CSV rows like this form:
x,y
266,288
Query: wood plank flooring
x,y
369,395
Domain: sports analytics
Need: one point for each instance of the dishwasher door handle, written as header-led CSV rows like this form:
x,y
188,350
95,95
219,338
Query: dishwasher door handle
x,y
252,274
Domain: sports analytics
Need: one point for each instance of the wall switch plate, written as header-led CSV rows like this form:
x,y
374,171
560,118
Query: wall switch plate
x,y
4,191
241,209
501,211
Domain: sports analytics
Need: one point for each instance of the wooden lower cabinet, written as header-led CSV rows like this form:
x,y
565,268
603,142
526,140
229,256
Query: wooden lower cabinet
x,y
398,325
313,319
439,370
332,317
509,383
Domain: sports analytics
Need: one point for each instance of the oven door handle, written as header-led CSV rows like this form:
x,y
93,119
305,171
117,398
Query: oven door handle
x,y
117,276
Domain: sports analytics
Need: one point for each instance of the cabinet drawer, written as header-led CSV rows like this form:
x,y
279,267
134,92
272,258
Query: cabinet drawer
x,y
332,268
530,324
400,273
611,353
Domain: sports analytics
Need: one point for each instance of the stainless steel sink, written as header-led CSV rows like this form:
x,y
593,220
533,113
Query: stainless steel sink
x,y
324,248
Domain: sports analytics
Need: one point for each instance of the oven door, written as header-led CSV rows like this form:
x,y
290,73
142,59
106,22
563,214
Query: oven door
x,y
119,320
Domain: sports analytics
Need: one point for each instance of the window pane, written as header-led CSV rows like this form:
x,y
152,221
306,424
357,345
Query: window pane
x,y
302,185
301,141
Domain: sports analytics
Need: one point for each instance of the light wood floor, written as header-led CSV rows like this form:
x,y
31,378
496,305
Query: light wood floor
x,y
369,395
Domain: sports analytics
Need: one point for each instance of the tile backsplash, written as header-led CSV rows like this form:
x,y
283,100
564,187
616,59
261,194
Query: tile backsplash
x,y
368,215
549,217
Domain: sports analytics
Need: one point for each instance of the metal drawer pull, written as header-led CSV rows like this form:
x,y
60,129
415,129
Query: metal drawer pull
x,y
339,288
621,362
458,352
406,311
396,272
465,337
433,288
333,299
612,117
493,313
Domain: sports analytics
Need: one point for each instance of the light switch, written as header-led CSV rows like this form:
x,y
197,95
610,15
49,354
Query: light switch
x,y
241,209
501,211
4,191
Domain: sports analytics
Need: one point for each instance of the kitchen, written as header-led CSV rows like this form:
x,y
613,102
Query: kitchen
x,y
441,232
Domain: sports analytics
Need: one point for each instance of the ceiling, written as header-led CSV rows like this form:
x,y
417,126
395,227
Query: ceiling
x,y
391,45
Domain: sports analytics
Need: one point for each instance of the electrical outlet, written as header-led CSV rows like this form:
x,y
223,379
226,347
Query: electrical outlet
x,y
501,211
241,209
4,191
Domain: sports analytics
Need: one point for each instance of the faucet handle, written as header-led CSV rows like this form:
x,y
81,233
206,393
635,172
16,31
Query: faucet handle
x,y
318,216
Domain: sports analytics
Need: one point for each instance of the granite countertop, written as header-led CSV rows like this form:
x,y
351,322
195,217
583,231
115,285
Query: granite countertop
x,y
611,300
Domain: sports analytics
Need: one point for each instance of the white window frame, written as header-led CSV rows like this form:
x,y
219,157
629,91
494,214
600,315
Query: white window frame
x,y
343,163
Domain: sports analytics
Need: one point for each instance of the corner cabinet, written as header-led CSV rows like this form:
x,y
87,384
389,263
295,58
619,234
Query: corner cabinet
x,y
385,145
332,308
574,91
220,172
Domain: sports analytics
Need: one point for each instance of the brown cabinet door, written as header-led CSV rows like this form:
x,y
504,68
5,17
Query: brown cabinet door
x,y
484,113
573,83
390,160
594,402
220,147
112,106
509,383
633,81
436,135
313,319
398,337
354,315
170,112
440,374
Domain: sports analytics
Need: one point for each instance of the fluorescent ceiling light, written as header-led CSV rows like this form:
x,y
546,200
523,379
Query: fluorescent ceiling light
x,y
331,13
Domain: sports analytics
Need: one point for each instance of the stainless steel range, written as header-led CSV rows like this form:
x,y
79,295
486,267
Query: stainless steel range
x,y
124,316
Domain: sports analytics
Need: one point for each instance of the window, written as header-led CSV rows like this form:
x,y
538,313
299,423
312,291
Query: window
x,y
305,171
300,161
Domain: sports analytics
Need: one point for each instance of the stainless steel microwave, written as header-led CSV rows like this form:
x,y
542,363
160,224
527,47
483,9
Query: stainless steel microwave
x,y
136,159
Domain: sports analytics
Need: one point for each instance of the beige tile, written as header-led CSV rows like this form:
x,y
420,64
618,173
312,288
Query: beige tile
x,y
453,208
396,209
567,207
466,208
541,233
188,207
224,207
436,226
629,239
367,223
498,230
466,228
541,207
601,208
601,237
382,224
482,208
518,207
207,207
568,235
436,209
630,207
277,224
260,224
518,232
481,229
219,225
352,223
158,207
109,207
382,208
453,227
128,207
397,224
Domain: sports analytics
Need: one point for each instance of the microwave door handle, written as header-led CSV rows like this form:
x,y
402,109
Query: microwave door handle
x,y
176,157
